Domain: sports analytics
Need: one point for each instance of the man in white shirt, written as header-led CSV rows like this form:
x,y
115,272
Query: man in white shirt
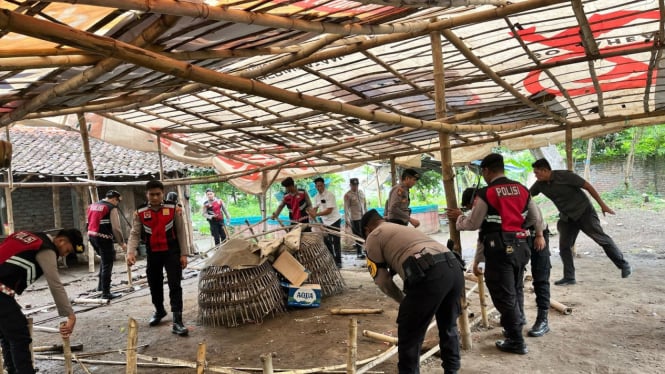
x,y
325,207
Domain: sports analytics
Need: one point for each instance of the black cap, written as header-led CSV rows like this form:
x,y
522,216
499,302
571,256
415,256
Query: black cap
x,y
288,182
354,181
172,197
112,193
368,217
75,237
410,173
492,161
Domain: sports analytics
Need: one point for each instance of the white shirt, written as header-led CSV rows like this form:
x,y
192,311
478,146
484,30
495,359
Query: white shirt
x,y
326,200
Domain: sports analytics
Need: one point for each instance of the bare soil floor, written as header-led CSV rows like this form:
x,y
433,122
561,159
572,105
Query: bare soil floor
x,y
617,325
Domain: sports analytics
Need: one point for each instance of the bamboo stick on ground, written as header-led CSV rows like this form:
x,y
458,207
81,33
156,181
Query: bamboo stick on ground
x,y
561,308
67,352
52,330
472,290
81,300
81,364
380,337
345,311
57,348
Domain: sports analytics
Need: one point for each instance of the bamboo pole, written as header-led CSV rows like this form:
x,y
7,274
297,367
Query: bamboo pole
x,y
31,326
92,190
82,300
266,361
67,352
447,173
132,340
380,337
57,348
569,148
201,358
483,301
352,346
561,308
346,311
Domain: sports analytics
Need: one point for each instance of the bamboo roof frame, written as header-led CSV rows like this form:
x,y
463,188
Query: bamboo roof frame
x,y
300,84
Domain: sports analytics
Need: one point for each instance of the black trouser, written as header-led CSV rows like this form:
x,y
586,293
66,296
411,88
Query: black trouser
x,y
217,231
540,272
504,275
156,263
437,295
334,242
358,231
106,251
14,337
589,224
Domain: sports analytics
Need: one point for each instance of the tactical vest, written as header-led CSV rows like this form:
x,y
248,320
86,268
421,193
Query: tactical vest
x,y
297,205
158,227
507,206
18,259
99,219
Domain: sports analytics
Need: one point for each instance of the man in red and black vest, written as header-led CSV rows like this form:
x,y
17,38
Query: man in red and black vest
x,y
162,229
24,257
214,211
103,227
297,201
500,211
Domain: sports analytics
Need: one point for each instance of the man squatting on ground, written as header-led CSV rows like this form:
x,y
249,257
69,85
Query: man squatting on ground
x,y
540,268
499,211
103,227
576,213
433,284
397,206
24,257
158,224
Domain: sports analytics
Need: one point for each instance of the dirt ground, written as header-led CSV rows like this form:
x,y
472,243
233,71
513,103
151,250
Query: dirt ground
x,y
616,326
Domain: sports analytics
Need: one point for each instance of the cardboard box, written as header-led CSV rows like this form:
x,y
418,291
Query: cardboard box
x,y
306,295
290,268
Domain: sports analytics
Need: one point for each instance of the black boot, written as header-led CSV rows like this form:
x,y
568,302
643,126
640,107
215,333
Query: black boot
x,y
157,317
178,327
539,328
512,346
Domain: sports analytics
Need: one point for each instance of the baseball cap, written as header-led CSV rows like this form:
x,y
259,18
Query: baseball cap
x,y
75,237
112,193
410,173
354,181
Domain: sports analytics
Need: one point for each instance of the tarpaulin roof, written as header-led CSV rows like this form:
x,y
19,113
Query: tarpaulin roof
x,y
261,87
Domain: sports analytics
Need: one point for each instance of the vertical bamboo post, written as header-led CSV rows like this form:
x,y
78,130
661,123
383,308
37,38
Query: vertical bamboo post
x,y
132,340
201,358
483,302
67,352
92,190
569,147
352,346
159,153
447,170
8,194
187,217
266,361
32,352
55,196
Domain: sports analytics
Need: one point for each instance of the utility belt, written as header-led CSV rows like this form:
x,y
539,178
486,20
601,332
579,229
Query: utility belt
x,y
100,235
7,290
417,266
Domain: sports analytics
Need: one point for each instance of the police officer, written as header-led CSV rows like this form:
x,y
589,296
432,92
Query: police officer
x,y
355,206
163,231
24,257
499,212
397,206
433,284
103,227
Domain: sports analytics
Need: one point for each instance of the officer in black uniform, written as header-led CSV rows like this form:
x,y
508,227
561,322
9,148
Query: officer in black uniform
x,y
433,284
499,212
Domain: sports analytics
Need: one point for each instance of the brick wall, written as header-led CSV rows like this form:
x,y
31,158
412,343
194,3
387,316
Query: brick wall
x,y
33,208
648,175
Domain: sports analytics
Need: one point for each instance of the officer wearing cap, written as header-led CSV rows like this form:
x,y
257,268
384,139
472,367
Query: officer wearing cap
x,y
355,206
397,206
500,212
433,284
24,257
103,228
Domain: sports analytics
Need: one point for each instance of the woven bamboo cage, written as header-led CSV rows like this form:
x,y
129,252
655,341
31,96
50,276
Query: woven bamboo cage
x,y
229,297
315,257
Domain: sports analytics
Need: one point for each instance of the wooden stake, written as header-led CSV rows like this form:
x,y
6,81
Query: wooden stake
x,y
345,311
129,276
201,358
266,361
67,352
43,328
132,339
483,302
30,330
561,308
352,346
